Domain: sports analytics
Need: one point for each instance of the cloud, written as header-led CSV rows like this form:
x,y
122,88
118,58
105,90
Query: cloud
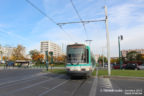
x,y
125,19
133,39
125,14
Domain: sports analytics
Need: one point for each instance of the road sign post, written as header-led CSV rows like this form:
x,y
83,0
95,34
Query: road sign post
x,y
47,63
51,54
120,54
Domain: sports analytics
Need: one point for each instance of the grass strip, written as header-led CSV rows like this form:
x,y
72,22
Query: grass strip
x,y
130,73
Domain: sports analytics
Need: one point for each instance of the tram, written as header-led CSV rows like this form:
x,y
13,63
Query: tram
x,y
80,60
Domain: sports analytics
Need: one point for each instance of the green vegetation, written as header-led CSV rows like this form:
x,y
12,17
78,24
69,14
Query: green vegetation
x,y
102,72
57,71
94,73
131,73
100,59
59,65
54,65
2,64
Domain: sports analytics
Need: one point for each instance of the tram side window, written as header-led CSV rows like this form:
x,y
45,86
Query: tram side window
x,y
87,55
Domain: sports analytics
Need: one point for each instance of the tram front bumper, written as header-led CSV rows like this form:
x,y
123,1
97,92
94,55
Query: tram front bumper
x,y
79,73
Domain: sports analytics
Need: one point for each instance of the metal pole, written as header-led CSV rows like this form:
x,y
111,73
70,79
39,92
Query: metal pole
x,y
120,56
108,42
103,56
46,54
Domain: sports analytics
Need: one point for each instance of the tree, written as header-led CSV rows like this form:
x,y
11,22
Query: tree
x,y
131,56
114,60
32,52
61,58
100,59
18,53
36,56
143,58
139,57
5,58
1,52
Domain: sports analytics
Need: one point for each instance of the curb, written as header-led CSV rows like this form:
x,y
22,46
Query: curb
x,y
123,77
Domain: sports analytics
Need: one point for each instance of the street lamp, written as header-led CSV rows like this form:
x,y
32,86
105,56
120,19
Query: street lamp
x,y
120,55
103,55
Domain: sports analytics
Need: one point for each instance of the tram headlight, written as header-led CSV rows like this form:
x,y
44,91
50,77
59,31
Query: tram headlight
x,y
90,68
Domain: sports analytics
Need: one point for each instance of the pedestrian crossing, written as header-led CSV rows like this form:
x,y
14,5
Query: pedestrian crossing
x,y
105,83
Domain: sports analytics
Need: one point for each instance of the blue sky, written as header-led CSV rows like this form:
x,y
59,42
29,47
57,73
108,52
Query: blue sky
x,y
20,23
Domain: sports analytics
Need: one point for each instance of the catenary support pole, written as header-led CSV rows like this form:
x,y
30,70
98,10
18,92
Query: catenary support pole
x,y
108,41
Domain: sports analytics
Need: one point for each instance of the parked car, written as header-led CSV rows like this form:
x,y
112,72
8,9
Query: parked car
x,y
131,66
105,65
117,66
141,67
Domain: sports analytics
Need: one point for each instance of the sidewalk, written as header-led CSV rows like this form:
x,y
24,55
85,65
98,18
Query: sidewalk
x,y
123,77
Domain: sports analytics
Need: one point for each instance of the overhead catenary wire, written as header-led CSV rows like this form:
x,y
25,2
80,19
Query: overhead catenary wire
x,y
74,7
43,13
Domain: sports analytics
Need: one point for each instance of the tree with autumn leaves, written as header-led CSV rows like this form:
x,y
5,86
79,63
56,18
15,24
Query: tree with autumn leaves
x,y
18,53
61,58
5,58
36,56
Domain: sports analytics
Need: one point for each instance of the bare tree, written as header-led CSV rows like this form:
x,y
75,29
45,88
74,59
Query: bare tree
x,y
18,53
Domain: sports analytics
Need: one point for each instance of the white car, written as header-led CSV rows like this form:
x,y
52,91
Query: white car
x,y
141,67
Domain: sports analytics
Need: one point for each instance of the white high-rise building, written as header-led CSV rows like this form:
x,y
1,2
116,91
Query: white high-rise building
x,y
6,51
50,46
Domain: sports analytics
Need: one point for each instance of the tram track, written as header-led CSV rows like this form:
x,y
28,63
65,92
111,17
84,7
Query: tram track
x,y
43,85
77,89
56,87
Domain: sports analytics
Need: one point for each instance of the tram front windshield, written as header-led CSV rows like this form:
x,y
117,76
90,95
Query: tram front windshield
x,y
76,55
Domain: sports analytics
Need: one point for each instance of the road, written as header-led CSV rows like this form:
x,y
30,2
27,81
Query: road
x,y
32,82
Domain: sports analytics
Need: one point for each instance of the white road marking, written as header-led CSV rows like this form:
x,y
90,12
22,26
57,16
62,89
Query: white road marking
x,y
23,81
45,92
35,84
106,83
94,85
20,79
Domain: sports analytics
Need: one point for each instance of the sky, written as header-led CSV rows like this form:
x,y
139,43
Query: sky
x,y
20,23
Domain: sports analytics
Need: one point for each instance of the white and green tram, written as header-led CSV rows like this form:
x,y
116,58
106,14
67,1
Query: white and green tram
x,y
80,60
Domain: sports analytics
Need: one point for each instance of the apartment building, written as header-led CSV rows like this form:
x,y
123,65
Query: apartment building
x,y
6,51
124,52
50,46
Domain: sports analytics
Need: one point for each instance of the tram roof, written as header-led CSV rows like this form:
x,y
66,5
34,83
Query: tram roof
x,y
76,44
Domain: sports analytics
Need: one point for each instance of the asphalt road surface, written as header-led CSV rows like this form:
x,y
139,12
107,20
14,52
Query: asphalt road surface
x,y
32,82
